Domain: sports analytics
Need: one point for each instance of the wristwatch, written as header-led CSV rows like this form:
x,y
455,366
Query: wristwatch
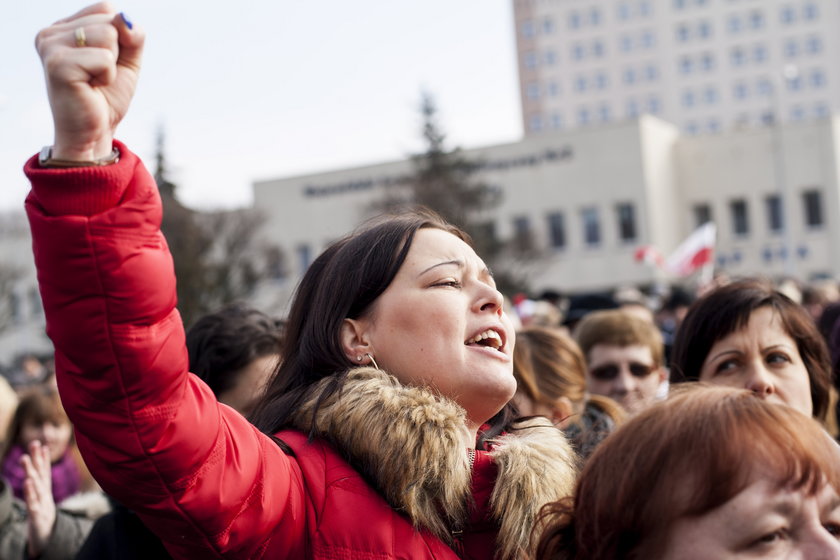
x,y
45,159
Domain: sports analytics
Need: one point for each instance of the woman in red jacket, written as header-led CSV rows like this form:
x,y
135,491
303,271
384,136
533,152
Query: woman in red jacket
x,y
419,462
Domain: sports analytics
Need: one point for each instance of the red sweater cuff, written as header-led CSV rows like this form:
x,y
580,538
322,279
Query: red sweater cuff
x,y
81,191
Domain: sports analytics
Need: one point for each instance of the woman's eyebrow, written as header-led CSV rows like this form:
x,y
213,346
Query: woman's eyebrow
x,y
724,353
457,262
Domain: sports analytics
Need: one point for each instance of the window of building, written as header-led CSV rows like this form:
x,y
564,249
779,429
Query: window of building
x,y
304,256
759,53
775,222
532,90
794,83
686,64
574,20
813,45
530,60
522,238
578,51
738,213
535,123
710,95
604,112
810,11
733,24
580,83
682,33
688,98
817,78
623,11
651,72
644,8
756,20
702,214
791,48
707,61
548,26
679,4
553,88
626,43
591,226
704,30
549,57
812,204
597,48
601,80
556,121
764,87
691,128
739,91
595,16
556,230
528,29
583,116
737,56
647,40
713,125
821,110
626,215
632,108
654,105
787,15
629,76
797,113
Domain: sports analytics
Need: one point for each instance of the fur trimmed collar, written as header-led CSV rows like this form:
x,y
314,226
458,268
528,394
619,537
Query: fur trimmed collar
x,y
407,442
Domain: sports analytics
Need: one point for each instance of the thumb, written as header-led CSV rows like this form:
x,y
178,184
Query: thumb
x,y
131,40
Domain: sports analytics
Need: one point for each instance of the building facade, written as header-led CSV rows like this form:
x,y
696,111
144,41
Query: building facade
x,y
704,65
591,197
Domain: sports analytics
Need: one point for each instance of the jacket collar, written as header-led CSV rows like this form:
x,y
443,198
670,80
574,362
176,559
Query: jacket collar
x,y
406,441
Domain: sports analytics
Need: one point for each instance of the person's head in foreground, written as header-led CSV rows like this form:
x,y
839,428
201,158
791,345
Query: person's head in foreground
x,y
550,373
709,473
235,350
624,356
408,294
748,335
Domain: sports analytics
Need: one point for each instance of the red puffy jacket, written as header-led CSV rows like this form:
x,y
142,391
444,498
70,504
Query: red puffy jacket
x,y
203,478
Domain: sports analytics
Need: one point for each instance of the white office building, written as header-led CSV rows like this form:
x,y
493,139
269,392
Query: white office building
x,y
592,196
704,65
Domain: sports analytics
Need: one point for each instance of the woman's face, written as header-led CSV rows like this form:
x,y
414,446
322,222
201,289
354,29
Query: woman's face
x,y
55,436
441,324
763,358
762,521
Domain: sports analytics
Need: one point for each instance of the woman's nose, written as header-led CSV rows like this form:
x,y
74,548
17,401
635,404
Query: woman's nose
x,y
759,381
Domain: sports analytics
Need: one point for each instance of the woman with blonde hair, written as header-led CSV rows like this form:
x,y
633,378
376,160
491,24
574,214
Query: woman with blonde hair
x,y
550,373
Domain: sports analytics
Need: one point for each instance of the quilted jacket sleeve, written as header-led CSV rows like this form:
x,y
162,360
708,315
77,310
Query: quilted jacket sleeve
x,y
152,434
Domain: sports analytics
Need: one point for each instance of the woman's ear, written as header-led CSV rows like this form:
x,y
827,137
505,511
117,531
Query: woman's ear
x,y
561,411
354,340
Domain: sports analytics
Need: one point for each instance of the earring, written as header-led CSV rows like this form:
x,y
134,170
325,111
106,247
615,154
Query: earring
x,y
358,358
372,360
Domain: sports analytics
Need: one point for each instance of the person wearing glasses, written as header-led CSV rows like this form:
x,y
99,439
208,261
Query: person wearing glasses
x,y
624,358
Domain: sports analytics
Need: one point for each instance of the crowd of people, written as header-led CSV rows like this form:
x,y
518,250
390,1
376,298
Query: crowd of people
x,y
404,408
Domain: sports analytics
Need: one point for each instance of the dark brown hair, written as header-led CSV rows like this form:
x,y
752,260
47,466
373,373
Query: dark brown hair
x,y
683,457
342,283
728,309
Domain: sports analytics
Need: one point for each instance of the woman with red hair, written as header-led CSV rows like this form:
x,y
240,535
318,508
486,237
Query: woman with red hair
x,y
710,473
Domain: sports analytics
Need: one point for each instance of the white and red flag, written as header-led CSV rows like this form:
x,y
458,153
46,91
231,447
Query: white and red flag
x,y
696,252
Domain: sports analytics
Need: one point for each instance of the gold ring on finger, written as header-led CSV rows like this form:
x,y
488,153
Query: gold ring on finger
x,y
81,38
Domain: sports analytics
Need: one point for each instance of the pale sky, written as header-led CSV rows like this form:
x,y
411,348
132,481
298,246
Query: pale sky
x,y
258,89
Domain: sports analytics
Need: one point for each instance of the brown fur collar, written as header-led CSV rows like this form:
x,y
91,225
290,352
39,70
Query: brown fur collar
x,y
407,442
